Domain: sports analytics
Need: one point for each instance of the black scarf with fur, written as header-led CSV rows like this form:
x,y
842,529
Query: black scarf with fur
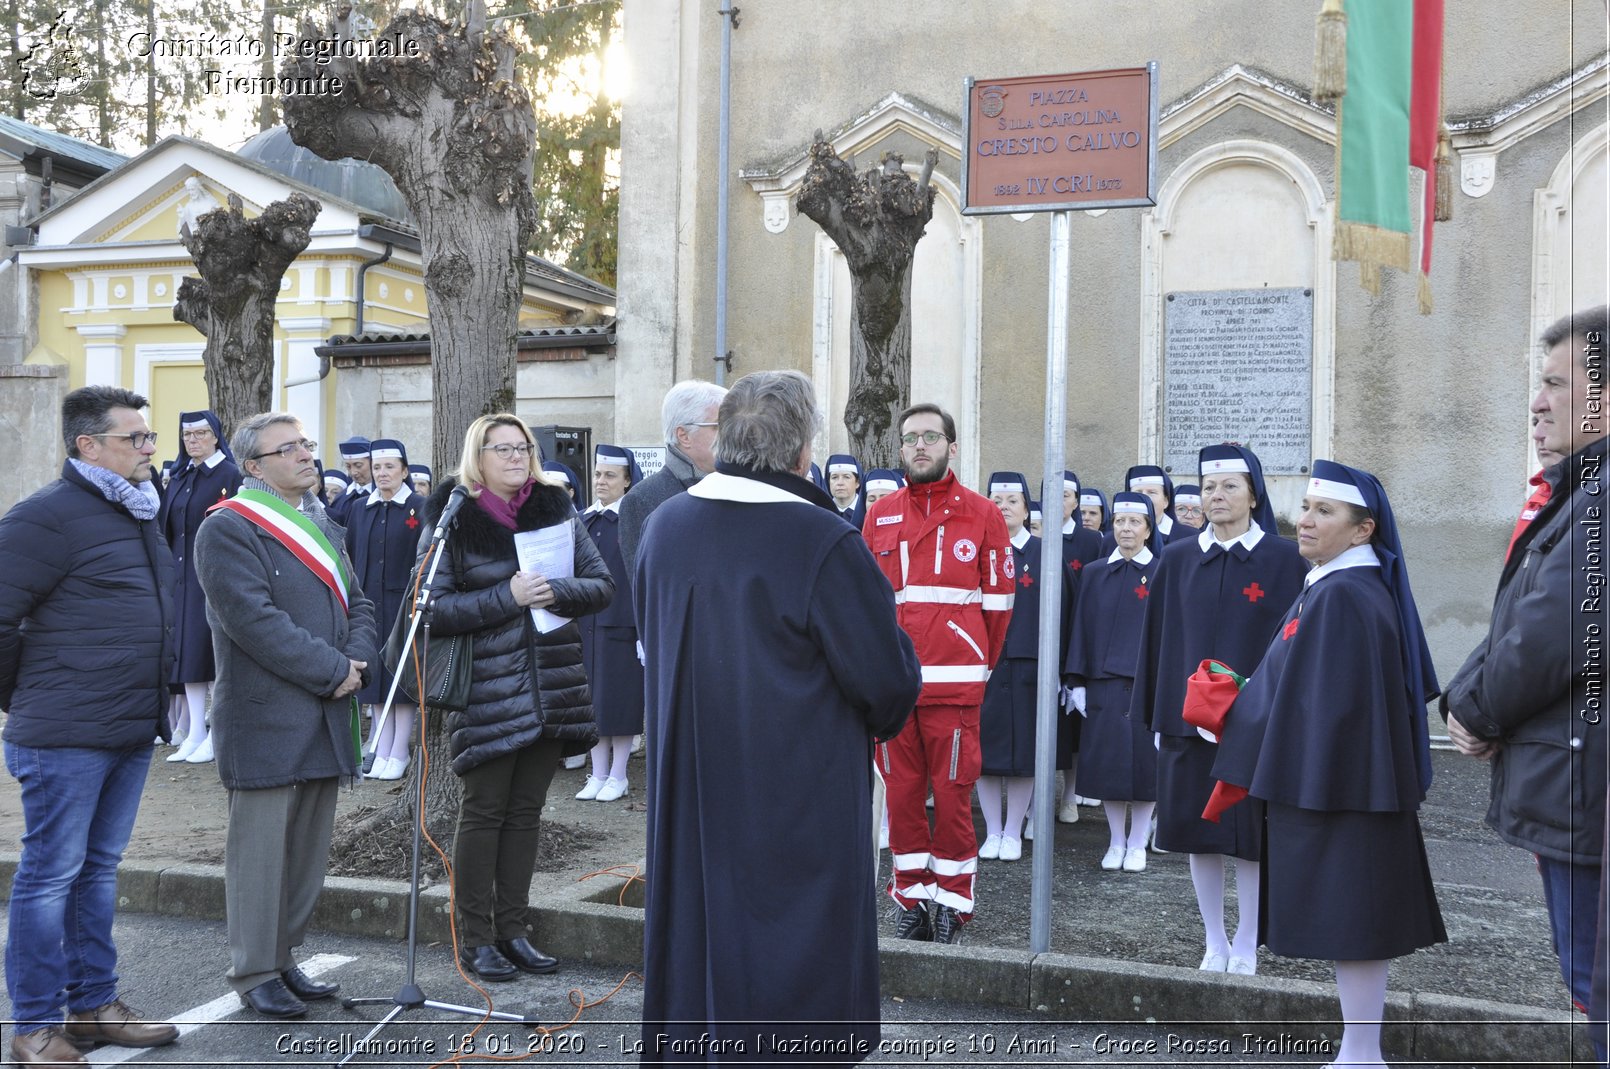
x,y
479,535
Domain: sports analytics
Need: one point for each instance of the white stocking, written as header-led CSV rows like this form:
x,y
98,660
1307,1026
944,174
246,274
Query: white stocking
x,y
1115,823
1246,897
1019,791
178,716
1361,987
620,748
399,733
195,699
1068,783
989,800
1207,876
600,756
1140,822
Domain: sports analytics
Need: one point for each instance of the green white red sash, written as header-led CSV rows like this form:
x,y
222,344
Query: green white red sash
x,y
296,533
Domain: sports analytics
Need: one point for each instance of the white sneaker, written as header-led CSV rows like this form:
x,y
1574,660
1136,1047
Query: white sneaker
x,y
1135,860
1212,962
1082,800
396,768
612,789
1113,859
1242,966
202,753
1028,828
1068,813
590,789
883,837
182,753
1011,849
991,850
378,769
574,762
637,744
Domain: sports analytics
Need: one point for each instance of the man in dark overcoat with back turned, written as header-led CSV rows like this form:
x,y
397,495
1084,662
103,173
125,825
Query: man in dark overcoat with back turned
x,y
773,661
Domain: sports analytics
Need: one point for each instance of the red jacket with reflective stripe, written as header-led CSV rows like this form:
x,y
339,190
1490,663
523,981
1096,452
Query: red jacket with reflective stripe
x,y
946,552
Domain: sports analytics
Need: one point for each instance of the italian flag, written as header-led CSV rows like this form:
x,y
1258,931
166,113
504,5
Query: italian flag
x,y
1388,120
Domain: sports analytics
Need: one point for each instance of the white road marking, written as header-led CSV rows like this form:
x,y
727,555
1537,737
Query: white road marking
x,y
212,1012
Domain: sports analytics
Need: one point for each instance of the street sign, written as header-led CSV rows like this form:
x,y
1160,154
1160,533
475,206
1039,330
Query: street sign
x,y
1052,142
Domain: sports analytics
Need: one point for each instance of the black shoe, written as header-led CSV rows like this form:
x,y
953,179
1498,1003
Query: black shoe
x,y
914,924
947,925
488,963
525,957
305,987
272,998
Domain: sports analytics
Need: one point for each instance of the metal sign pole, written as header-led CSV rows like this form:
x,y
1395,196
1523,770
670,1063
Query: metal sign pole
x,y
1050,580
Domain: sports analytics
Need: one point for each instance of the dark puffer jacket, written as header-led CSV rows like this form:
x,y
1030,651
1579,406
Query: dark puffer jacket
x,y
526,685
86,620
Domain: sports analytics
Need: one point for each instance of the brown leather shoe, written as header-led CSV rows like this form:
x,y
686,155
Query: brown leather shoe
x,y
115,1023
47,1046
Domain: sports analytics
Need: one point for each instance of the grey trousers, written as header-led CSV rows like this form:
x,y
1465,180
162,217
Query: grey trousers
x,y
274,864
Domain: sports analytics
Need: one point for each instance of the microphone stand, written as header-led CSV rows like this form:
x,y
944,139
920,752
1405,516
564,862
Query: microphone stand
x,y
410,996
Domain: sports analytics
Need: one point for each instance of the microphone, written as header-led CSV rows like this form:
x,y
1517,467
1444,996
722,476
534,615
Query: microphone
x,y
455,501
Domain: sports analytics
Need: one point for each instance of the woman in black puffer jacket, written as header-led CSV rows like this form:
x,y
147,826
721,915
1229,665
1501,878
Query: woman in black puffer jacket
x,y
529,703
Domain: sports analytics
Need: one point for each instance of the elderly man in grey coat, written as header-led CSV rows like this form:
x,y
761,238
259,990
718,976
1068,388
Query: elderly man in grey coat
x,y
293,636
688,418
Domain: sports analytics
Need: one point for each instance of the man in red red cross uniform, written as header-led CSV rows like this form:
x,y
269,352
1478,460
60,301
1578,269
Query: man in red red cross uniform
x,y
946,552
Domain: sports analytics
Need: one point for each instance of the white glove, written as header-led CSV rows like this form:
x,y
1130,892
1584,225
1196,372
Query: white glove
x,y
641,659
1064,700
1077,696
1208,735
1157,740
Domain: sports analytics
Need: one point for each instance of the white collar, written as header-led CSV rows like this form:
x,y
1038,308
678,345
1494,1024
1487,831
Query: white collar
x,y
1143,558
1352,557
719,486
1165,524
1069,525
1022,537
595,508
358,488
1249,538
216,459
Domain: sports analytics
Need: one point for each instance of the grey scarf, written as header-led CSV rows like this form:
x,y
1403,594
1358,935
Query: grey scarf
x,y
139,498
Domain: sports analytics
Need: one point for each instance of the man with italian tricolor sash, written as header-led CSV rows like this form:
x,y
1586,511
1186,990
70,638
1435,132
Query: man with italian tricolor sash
x,y
293,637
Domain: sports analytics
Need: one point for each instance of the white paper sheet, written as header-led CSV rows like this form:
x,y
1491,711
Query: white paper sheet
x,y
550,553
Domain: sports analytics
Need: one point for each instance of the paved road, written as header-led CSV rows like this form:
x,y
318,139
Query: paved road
x,y
173,968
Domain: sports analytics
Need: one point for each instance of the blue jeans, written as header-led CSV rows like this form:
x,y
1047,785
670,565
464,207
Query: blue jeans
x,y
78,809
1571,893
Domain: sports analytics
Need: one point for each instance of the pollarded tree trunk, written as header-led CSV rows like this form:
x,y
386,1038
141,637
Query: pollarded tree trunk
x,y
241,263
436,106
876,220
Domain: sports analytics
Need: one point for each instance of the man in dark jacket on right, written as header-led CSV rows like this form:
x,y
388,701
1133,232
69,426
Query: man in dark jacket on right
x,y
1531,697
86,644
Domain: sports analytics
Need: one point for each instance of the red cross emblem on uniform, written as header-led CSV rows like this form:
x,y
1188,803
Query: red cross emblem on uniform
x,y
1254,592
410,521
1076,564
1025,579
1141,592
1289,630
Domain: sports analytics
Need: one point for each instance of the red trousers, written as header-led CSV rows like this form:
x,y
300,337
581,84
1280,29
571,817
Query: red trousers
x,y
938,746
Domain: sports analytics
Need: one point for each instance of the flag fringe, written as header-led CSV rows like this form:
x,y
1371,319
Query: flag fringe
x,y
1371,244
1425,294
1369,276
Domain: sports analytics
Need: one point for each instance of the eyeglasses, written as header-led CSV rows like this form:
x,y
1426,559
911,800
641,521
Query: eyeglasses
x,y
288,450
199,432
137,439
926,437
701,424
508,451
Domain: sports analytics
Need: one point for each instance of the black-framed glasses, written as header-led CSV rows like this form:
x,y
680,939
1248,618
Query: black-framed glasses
x,y
288,450
137,439
510,450
926,438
